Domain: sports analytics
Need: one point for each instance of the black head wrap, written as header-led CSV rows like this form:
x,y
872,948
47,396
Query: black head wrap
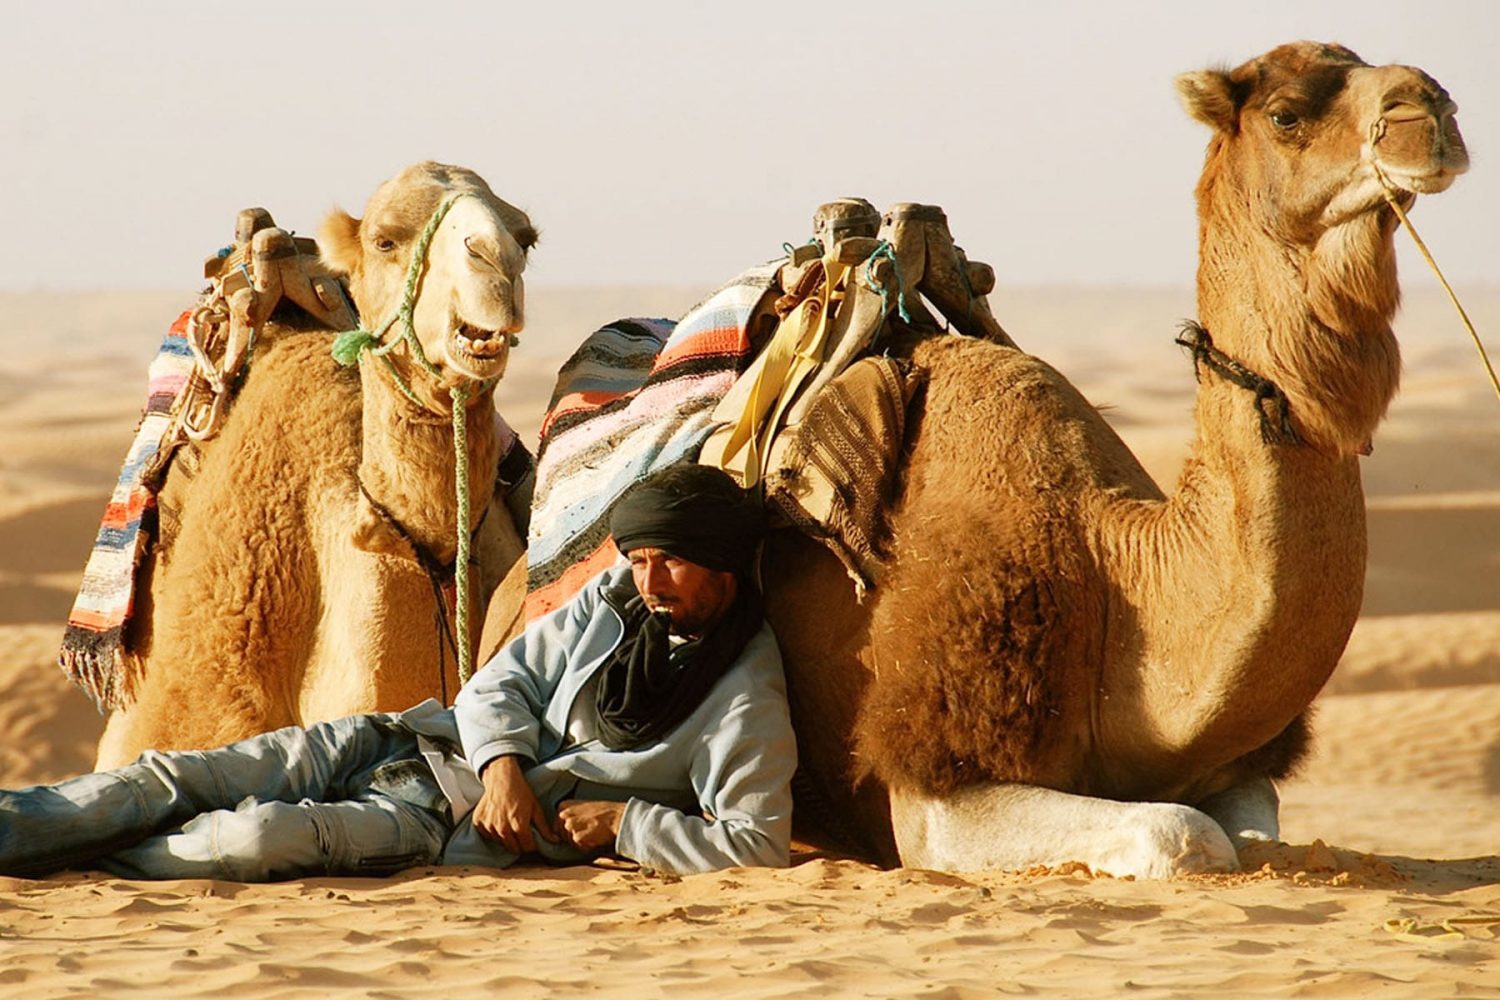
x,y
696,513
648,687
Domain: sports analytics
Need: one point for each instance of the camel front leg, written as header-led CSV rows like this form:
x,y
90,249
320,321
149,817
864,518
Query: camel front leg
x,y
1020,826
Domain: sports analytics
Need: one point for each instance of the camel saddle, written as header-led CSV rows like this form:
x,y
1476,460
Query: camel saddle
x,y
818,430
264,270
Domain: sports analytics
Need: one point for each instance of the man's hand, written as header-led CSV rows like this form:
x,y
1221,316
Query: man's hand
x,y
508,808
589,826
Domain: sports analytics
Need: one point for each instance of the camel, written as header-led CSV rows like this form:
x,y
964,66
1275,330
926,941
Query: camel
x,y
1062,663
285,587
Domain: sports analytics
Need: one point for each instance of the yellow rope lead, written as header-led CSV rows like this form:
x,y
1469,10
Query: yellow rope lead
x,y
1387,189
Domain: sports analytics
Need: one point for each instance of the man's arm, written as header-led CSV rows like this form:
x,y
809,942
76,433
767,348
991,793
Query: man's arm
x,y
499,711
499,716
741,771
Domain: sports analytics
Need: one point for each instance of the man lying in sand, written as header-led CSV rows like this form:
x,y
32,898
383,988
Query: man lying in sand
x,y
647,716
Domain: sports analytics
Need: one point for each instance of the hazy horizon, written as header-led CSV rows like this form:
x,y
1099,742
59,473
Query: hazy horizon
x,y
673,144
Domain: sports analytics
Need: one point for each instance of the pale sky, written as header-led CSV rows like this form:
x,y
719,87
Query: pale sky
x,y
673,143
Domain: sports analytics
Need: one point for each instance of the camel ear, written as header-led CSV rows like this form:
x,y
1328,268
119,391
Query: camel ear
x,y
338,242
1208,96
527,236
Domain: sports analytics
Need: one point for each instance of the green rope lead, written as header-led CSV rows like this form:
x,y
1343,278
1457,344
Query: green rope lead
x,y
351,345
460,394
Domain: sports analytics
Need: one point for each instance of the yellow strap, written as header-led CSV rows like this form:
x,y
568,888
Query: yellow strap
x,y
795,351
811,353
740,448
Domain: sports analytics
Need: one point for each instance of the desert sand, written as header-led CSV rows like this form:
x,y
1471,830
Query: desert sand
x,y
1388,884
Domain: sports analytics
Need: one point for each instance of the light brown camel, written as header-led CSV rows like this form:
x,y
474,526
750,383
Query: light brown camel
x,y
1061,663
279,593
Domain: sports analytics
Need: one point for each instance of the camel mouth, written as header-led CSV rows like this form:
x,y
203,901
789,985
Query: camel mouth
x,y
1422,181
476,351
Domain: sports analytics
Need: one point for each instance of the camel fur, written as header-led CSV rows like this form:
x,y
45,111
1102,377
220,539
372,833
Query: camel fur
x,y
278,593
1064,663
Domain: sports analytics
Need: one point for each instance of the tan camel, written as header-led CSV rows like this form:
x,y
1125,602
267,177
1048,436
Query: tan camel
x,y
1061,662
280,592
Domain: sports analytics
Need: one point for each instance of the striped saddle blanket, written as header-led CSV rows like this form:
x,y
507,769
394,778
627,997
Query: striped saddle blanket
x,y
94,642
637,396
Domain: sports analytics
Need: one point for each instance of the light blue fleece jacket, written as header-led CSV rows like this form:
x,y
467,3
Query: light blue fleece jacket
x,y
715,792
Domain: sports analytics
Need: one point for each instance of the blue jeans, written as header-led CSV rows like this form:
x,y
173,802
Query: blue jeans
x,y
348,797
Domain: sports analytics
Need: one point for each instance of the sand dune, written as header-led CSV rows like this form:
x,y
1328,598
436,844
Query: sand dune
x,y
1404,788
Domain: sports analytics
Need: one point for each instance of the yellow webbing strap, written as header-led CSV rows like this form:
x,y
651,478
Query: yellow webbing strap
x,y
794,352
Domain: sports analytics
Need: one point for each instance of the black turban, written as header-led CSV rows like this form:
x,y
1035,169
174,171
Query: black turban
x,y
695,512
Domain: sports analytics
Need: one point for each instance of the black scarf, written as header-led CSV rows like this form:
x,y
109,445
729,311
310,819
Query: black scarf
x,y
648,688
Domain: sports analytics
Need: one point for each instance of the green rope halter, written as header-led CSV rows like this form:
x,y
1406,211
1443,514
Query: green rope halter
x,y
348,348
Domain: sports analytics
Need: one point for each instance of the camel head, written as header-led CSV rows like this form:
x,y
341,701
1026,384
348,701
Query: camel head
x,y
1297,271
471,297
1302,130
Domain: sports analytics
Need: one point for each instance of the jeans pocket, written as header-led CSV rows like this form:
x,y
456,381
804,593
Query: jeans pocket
x,y
412,782
402,837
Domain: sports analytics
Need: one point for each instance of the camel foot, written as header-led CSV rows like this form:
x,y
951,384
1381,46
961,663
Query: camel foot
x,y
1022,826
1249,812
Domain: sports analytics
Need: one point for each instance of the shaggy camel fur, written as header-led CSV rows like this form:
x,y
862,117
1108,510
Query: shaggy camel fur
x,y
278,594
1064,664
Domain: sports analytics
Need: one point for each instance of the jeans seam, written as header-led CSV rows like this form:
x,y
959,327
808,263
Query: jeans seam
x,y
213,840
331,846
220,789
139,795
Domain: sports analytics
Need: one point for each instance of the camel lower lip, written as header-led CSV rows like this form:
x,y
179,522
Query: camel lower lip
x,y
1425,183
477,350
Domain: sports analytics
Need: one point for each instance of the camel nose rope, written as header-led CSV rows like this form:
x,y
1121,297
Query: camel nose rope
x,y
347,349
1389,190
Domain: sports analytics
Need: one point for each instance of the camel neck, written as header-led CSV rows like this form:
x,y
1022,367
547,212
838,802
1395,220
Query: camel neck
x,y
1314,318
1260,552
407,462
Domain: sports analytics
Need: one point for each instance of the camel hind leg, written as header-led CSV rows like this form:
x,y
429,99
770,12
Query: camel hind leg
x,y
1014,826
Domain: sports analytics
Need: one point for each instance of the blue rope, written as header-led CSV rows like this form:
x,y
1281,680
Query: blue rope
x,y
889,253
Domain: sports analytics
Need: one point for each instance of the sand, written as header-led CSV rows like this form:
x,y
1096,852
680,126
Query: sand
x,y
1388,885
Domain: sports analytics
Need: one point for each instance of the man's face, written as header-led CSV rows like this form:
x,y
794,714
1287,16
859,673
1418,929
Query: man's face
x,y
694,596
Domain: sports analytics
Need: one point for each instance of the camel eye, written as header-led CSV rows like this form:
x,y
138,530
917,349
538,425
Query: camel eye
x,y
1284,120
385,244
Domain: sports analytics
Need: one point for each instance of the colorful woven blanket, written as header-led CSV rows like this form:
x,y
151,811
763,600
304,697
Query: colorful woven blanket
x,y
636,397
93,644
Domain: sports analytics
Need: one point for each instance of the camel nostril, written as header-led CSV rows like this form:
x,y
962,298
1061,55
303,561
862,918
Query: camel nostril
x,y
473,250
1400,109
